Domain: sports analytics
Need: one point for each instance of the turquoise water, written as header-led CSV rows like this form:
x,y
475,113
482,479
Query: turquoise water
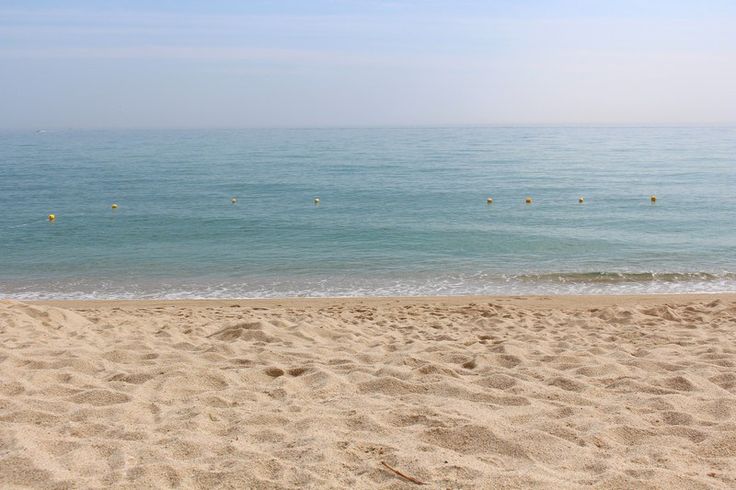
x,y
402,212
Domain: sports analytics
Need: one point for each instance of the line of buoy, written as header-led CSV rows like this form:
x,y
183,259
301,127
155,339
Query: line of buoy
x,y
581,200
489,200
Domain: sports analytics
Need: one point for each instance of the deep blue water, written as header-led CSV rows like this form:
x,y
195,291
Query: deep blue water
x,y
402,212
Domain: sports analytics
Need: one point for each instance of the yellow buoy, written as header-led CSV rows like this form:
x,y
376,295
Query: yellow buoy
x,y
234,200
52,217
114,206
316,200
489,200
653,198
528,200
581,200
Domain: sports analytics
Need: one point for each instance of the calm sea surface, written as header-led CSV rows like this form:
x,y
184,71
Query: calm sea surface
x,y
402,212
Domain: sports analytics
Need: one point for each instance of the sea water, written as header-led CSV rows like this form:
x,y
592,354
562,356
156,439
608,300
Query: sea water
x,y
402,212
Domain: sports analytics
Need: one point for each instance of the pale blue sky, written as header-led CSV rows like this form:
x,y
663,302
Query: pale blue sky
x,y
365,63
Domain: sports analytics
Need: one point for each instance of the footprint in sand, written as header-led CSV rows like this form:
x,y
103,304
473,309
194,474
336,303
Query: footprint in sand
x,y
274,372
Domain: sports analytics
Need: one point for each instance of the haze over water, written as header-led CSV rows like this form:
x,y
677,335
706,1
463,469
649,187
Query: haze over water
x,y
403,212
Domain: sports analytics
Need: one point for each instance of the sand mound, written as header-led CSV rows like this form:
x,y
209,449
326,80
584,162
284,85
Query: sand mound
x,y
454,393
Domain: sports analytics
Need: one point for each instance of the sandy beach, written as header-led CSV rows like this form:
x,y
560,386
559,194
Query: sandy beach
x,y
466,392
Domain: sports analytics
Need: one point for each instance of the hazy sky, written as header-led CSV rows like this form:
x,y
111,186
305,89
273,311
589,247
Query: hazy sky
x,y
359,62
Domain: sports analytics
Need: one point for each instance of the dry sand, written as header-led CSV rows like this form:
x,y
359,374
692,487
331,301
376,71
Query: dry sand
x,y
568,392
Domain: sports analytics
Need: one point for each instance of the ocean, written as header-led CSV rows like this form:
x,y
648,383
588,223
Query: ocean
x,y
402,211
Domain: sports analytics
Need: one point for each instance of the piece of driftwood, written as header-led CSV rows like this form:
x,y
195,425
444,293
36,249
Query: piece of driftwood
x,y
406,477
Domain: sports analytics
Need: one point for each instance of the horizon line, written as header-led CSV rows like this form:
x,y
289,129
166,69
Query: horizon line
x,y
378,126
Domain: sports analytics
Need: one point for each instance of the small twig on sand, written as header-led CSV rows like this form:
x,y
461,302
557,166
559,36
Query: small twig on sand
x,y
406,477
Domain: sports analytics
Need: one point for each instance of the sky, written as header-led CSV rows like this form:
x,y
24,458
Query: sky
x,y
335,63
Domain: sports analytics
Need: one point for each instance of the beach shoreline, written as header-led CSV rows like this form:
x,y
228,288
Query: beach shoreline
x,y
532,301
460,392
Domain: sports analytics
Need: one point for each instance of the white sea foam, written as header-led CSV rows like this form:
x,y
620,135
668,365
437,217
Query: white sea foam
x,y
474,284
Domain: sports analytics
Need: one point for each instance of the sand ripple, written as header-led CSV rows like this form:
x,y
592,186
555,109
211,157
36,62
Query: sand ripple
x,y
456,393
